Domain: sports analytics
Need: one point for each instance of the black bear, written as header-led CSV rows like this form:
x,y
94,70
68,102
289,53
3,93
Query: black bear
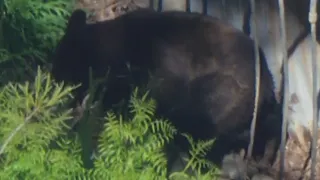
x,y
202,71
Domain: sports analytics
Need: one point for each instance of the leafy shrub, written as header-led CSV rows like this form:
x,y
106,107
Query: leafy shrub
x,y
29,31
35,144
30,120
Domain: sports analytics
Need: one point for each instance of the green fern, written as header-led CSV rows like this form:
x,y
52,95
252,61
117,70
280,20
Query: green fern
x,y
31,118
197,161
35,145
133,148
46,20
29,32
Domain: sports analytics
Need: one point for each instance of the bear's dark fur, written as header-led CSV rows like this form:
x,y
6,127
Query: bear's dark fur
x,y
203,71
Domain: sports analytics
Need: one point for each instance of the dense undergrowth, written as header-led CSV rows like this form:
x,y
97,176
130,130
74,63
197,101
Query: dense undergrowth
x,y
36,140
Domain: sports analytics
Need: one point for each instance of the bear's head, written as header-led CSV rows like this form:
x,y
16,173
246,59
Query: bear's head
x,y
75,54
71,57
85,45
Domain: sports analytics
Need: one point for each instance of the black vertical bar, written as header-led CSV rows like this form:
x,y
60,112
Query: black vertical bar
x,y
246,19
205,7
159,5
188,4
151,4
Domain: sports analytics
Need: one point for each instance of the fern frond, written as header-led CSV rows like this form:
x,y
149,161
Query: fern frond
x,y
31,120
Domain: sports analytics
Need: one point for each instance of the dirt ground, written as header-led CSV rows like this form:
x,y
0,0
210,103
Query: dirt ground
x,y
297,161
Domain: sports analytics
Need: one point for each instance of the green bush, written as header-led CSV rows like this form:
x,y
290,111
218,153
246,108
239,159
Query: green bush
x,y
29,31
36,145
36,140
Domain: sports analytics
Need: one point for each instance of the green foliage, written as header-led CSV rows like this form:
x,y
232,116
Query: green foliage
x,y
134,148
34,23
29,31
35,145
32,116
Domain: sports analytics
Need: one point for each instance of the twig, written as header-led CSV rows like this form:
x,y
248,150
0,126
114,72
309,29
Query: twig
x,y
8,140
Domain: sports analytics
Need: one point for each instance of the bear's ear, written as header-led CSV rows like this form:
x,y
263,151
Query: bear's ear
x,y
77,21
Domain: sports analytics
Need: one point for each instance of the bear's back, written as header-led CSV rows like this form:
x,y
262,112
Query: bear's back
x,y
197,39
